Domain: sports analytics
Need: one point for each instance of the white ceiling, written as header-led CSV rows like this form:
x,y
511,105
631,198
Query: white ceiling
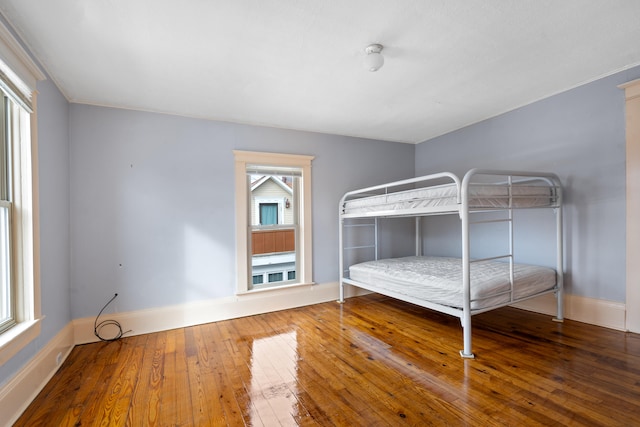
x,y
297,64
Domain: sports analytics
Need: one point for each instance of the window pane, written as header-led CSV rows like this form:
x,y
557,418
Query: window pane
x,y
273,202
268,213
5,154
5,282
257,279
275,277
291,275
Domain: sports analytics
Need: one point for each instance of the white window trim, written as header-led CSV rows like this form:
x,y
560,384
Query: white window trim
x,y
243,212
18,60
26,226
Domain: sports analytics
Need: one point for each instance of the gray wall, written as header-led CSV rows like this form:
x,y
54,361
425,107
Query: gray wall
x,y
578,134
53,153
152,202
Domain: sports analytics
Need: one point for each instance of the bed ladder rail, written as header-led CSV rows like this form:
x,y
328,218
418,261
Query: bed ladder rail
x,y
491,258
509,255
348,224
374,245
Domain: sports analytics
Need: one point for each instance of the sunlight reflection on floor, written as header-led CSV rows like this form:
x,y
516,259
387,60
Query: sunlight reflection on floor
x,y
274,380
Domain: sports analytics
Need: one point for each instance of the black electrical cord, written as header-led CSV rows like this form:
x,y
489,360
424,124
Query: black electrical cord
x,y
98,326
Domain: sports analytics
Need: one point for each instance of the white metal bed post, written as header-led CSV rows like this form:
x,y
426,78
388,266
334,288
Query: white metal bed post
x,y
418,236
465,320
375,239
559,255
510,219
341,246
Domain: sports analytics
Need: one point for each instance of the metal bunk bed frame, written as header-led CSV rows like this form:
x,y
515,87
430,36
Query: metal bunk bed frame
x,y
464,211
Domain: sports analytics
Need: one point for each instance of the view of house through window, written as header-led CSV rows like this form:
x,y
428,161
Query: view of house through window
x,y
274,224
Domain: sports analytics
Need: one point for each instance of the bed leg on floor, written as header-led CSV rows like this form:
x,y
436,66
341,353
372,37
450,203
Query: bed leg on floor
x,y
466,353
560,307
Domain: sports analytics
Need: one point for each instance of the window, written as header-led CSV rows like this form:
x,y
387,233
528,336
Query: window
x,y
268,213
14,206
273,211
275,277
19,243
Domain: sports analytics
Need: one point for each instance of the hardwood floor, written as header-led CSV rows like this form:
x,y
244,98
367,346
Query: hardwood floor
x,y
372,361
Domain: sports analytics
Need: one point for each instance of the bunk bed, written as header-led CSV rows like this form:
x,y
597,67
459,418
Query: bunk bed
x,y
459,286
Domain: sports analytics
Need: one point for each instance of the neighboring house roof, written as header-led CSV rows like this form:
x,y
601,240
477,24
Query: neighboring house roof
x,y
258,182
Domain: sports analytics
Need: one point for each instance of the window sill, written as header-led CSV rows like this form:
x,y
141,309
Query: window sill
x,y
16,338
273,288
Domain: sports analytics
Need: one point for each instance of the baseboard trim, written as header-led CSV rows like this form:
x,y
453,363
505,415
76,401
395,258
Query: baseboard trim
x,y
608,314
19,391
196,313
588,310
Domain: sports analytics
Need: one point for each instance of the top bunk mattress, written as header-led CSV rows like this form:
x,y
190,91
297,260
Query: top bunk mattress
x,y
445,197
439,280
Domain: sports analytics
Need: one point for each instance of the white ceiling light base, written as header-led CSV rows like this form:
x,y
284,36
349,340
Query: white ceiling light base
x,y
374,59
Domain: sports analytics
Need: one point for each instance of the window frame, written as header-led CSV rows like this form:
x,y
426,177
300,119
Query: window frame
x,y
18,78
243,217
24,244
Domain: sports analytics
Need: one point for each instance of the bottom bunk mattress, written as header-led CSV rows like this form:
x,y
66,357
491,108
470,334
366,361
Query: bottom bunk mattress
x,y
439,280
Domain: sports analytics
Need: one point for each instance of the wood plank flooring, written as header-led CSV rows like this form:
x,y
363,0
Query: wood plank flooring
x,y
372,361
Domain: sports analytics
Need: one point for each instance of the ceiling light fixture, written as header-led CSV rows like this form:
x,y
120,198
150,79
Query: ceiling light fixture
x,y
374,59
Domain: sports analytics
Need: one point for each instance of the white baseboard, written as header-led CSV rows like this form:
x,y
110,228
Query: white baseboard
x,y
195,313
19,391
598,312
588,310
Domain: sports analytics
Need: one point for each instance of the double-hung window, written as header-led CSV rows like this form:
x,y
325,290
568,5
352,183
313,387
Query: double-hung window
x,y
273,212
19,243
17,272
